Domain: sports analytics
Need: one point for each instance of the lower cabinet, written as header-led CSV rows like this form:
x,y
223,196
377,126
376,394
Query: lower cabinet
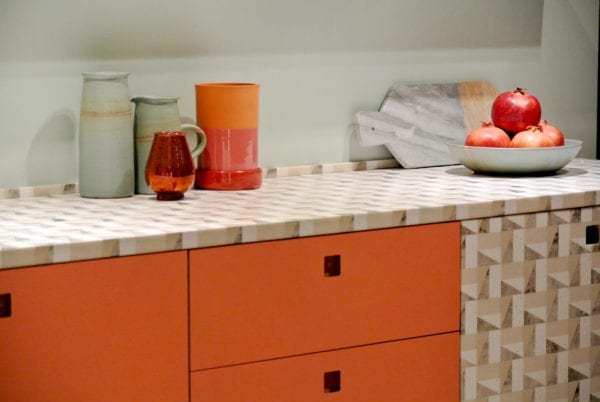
x,y
422,369
367,316
104,330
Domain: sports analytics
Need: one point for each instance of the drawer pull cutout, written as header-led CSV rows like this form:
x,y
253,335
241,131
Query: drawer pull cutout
x,y
5,305
592,234
332,381
332,265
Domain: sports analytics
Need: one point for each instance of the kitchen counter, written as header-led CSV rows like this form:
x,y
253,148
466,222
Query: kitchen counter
x,y
60,228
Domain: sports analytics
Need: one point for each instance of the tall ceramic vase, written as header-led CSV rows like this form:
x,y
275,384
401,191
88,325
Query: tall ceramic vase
x,y
228,114
106,167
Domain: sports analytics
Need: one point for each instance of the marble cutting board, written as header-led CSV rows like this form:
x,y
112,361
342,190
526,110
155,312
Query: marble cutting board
x,y
415,121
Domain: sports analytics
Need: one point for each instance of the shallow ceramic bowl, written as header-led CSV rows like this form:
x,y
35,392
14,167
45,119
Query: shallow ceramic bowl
x,y
515,160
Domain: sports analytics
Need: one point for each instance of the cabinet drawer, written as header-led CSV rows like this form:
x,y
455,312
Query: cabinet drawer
x,y
420,369
266,300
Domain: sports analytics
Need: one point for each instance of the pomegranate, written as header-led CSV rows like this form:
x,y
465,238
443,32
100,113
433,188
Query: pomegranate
x,y
516,110
532,137
553,132
488,136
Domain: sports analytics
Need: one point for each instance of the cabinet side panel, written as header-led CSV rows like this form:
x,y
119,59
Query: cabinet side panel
x,y
530,319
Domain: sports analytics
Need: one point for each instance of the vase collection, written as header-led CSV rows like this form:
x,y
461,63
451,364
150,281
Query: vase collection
x,y
124,152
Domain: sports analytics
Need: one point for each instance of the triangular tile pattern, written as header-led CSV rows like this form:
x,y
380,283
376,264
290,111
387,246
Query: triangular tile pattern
x,y
531,331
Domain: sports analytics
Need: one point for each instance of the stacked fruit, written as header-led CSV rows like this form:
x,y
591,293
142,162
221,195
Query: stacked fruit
x,y
516,123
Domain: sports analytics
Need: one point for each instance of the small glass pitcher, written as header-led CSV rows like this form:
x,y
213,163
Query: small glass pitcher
x,y
154,114
170,168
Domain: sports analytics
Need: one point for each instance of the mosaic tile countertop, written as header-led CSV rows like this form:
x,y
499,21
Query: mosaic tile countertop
x,y
66,227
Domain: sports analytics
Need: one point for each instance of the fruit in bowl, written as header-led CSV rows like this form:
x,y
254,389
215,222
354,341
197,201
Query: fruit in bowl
x,y
516,110
539,136
488,135
553,132
517,141
516,123
532,137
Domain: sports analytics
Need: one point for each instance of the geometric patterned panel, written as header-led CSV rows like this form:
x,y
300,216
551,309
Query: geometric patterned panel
x,y
530,308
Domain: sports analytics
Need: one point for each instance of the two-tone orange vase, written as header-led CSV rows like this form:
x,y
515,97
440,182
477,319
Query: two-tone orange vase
x,y
228,114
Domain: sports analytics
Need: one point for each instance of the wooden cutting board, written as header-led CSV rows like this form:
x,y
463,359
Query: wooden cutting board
x,y
415,121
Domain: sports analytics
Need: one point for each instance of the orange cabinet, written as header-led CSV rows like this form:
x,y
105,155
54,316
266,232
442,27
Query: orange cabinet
x,y
366,316
104,330
416,370
361,316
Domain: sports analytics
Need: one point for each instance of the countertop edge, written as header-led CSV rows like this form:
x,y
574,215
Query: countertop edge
x,y
291,224
236,235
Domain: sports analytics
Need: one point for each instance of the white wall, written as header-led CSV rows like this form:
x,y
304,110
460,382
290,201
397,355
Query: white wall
x,y
318,63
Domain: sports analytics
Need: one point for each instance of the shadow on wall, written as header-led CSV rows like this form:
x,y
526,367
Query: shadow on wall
x,y
51,156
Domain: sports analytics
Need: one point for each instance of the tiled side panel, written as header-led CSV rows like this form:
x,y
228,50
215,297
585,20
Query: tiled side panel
x,y
530,301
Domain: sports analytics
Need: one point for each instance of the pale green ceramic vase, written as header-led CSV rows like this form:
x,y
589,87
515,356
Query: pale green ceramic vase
x,y
106,150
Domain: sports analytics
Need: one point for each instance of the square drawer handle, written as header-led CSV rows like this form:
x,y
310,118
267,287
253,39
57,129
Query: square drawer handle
x,y
5,305
332,265
332,381
592,234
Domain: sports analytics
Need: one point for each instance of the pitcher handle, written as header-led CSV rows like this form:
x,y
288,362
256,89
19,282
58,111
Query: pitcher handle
x,y
200,137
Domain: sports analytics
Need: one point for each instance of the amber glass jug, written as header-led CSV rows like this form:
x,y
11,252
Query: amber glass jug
x,y
170,167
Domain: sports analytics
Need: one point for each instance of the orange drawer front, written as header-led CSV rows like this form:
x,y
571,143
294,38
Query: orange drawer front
x,y
282,298
421,369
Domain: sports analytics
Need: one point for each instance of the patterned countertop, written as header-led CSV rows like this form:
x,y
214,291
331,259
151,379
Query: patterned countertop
x,y
60,228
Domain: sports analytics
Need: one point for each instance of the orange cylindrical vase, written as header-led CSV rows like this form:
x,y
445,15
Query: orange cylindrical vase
x,y
228,114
